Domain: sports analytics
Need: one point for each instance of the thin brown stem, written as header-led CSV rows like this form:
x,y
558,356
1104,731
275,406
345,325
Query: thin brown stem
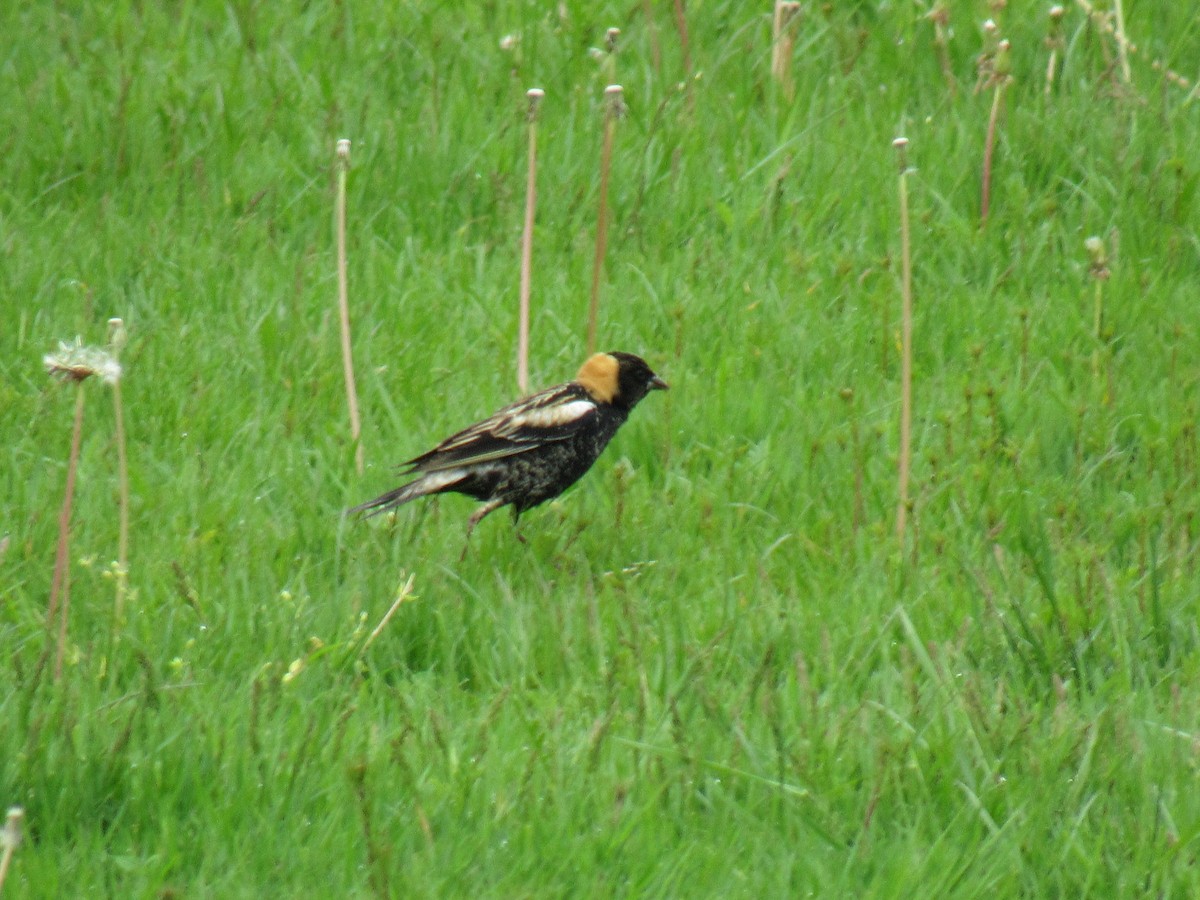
x,y
783,46
906,328
1122,42
60,583
116,341
985,192
652,31
405,593
11,838
123,509
684,42
535,96
343,166
612,95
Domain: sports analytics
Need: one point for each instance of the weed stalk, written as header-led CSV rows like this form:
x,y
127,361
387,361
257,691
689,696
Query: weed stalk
x,y
905,461
1056,44
117,338
343,166
535,96
1000,64
614,108
940,17
681,26
783,44
405,593
1098,269
652,31
74,363
10,839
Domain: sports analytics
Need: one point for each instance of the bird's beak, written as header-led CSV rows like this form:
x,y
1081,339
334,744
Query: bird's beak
x,y
657,384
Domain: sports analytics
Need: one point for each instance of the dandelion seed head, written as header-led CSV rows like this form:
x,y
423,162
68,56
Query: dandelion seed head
x,y
75,362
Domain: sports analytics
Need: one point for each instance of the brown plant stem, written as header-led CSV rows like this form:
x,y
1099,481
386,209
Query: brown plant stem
x,y
535,97
60,583
117,340
612,96
11,838
783,45
343,166
985,192
906,328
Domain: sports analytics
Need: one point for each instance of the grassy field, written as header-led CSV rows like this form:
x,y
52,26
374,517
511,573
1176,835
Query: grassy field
x,y
713,670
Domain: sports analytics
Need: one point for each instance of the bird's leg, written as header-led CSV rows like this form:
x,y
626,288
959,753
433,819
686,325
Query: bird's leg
x,y
517,526
474,520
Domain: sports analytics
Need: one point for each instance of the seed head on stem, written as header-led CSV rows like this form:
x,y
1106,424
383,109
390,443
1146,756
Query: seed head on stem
x,y
73,363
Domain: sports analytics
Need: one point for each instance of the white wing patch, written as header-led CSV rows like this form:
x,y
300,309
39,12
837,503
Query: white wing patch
x,y
553,416
435,481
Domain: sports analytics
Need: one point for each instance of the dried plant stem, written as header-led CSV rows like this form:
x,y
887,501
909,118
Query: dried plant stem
x,y
783,45
117,341
1051,69
404,594
1122,41
535,97
1054,40
985,192
11,838
1127,48
940,16
684,42
612,96
1100,272
343,166
61,582
685,46
906,328
123,510
652,31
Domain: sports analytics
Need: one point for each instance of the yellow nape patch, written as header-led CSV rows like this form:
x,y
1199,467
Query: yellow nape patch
x,y
599,377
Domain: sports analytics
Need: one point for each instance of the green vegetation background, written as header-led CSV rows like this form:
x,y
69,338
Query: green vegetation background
x,y
712,670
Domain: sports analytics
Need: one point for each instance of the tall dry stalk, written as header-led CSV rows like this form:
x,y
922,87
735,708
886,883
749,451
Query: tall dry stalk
x,y
405,593
940,17
10,839
1126,48
117,338
906,328
73,363
612,41
60,585
684,40
1055,43
1098,269
1122,41
783,44
652,31
613,109
343,166
995,68
681,26
535,96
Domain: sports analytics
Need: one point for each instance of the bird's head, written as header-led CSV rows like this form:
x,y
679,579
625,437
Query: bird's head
x,y
620,379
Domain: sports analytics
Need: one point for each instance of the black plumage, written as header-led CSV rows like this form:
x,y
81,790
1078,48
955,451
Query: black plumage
x,y
534,449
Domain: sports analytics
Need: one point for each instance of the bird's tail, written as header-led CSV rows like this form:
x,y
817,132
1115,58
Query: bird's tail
x,y
426,484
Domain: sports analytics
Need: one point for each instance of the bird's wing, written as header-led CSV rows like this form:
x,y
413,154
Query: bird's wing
x,y
553,415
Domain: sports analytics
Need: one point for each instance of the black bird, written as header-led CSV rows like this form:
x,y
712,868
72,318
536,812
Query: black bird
x,y
534,449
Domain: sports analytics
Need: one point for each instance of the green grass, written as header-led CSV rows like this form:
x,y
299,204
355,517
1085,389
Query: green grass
x,y
711,671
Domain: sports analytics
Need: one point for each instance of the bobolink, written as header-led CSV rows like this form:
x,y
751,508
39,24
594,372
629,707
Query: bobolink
x,y
532,450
